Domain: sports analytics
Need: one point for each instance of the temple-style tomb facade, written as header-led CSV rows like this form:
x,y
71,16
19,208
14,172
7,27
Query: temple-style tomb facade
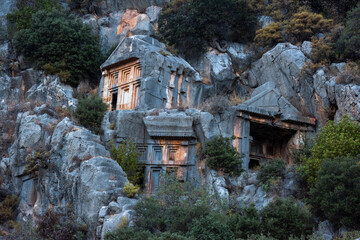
x,y
140,75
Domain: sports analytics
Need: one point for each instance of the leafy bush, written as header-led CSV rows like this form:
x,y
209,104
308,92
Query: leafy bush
x,y
349,42
245,222
191,24
270,35
303,25
334,140
126,156
128,233
21,16
171,236
90,112
333,8
271,171
56,226
335,195
8,208
60,44
211,227
130,190
221,155
284,218
175,206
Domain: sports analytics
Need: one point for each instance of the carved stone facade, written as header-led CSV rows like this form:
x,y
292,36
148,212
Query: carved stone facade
x,y
122,85
140,74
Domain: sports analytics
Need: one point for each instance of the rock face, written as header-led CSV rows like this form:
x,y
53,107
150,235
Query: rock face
x,y
282,65
348,100
6,6
124,22
50,90
78,171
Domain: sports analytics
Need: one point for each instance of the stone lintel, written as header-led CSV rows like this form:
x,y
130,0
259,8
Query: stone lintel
x,y
168,126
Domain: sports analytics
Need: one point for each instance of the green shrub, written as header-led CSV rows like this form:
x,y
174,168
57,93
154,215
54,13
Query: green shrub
x,y
149,215
8,208
245,222
128,233
335,195
174,207
305,24
334,140
21,16
348,44
58,41
221,155
333,8
284,218
90,112
130,189
171,236
126,156
273,170
191,24
211,227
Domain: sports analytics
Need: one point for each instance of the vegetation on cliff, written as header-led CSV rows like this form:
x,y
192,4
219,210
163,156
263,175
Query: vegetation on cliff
x,y
221,155
183,212
90,112
60,44
334,140
191,25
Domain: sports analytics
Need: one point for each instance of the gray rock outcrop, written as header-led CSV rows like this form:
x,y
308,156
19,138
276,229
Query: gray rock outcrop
x,y
78,171
52,91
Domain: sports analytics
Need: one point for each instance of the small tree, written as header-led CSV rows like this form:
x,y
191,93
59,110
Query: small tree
x,y
334,140
90,112
335,195
61,44
21,16
126,156
191,25
348,45
272,170
284,218
212,227
221,155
